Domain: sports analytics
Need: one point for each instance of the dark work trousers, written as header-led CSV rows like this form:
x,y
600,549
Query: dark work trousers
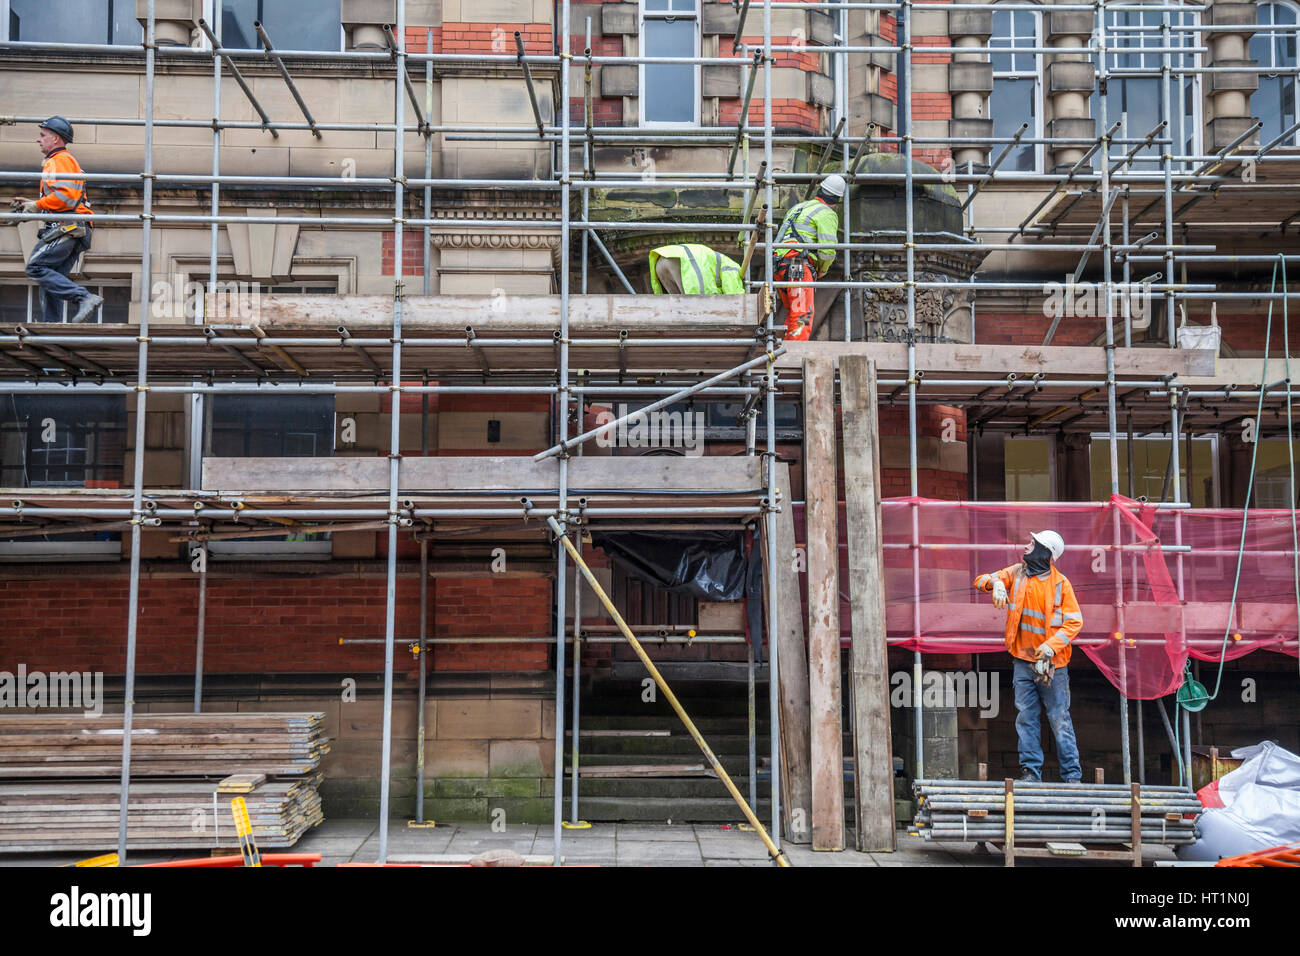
x,y
50,265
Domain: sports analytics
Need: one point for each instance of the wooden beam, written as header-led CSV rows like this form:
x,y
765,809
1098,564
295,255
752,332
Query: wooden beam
x,y
997,361
796,755
821,514
512,314
505,474
873,755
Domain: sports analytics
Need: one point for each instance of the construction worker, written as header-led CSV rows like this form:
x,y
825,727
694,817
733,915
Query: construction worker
x,y
1043,619
813,221
59,244
693,269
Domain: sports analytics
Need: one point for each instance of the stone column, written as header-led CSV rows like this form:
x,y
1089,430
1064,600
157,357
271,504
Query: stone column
x,y
1227,95
970,81
363,23
1068,83
174,20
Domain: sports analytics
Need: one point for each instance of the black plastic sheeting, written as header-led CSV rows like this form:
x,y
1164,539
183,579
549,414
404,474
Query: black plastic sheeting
x,y
710,565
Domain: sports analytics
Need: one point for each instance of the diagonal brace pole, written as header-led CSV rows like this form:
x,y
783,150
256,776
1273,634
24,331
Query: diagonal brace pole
x,y
677,396
745,808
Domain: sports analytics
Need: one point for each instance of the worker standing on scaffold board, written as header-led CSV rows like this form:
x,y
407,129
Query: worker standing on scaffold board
x,y
1043,617
812,222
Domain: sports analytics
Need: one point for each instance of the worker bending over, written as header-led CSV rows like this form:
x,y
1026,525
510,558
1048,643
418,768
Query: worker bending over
x,y
811,222
59,244
693,269
1043,619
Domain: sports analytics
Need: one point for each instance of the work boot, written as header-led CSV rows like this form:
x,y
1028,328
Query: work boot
x,y
86,307
1072,779
1028,776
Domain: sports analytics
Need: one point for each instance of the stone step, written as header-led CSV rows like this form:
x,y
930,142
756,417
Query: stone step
x,y
663,788
655,810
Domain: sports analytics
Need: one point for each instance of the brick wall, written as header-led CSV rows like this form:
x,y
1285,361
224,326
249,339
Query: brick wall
x,y
266,624
412,252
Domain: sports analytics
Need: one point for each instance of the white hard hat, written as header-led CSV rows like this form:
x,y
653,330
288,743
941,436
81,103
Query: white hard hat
x,y
833,185
1052,541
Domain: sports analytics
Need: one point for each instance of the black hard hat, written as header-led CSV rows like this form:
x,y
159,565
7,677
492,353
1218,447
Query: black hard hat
x,y
57,124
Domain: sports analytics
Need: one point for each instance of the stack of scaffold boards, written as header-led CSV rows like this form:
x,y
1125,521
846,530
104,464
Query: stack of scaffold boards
x,y
59,780
974,811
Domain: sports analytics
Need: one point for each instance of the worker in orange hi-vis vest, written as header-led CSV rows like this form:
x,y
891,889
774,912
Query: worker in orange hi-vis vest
x,y
60,243
1043,618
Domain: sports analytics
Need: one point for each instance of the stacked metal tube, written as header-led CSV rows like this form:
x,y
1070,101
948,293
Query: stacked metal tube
x,y
973,811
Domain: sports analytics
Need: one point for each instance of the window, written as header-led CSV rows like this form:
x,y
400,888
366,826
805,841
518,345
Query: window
x,y
670,93
1151,461
1274,101
1027,469
291,24
72,21
1016,94
22,303
265,426
62,442
1136,98
1273,473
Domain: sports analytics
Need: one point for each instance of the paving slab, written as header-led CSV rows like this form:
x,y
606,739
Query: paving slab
x,y
644,853
628,833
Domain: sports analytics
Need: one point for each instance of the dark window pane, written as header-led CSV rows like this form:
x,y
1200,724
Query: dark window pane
x,y
59,21
13,303
670,95
1010,104
62,441
291,24
258,426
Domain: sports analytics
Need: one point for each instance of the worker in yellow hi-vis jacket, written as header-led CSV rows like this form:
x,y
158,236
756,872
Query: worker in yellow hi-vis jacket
x,y
693,269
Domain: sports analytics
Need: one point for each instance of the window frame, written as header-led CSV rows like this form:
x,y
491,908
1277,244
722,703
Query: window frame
x,y
6,7
1270,29
1181,124
319,547
38,549
211,8
696,16
34,308
1036,75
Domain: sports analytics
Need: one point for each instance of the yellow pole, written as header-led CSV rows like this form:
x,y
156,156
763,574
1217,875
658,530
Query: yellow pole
x,y
745,808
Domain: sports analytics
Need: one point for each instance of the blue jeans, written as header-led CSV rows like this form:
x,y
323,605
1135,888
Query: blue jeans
x,y
1055,698
50,264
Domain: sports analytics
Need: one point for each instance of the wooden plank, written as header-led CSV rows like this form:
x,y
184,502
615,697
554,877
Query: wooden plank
x,y
823,604
995,361
796,768
471,473
511,314
646,770
873,778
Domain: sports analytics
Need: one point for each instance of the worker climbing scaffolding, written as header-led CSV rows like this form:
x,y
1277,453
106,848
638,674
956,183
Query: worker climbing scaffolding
x,y
814,223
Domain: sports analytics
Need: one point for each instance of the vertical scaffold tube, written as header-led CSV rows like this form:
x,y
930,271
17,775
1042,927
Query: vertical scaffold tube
x,y
141,396
395,421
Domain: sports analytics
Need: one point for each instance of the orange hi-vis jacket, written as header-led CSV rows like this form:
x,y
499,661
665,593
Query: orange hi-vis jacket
x,y
1040,610
62,189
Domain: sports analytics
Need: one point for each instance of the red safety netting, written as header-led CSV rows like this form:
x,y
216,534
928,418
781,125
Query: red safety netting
x,y
1135,627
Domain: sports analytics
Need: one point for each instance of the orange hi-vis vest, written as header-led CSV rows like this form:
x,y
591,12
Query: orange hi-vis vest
x,y
1040,610
62,189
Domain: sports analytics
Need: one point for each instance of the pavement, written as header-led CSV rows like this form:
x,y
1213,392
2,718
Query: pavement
x,y
605,844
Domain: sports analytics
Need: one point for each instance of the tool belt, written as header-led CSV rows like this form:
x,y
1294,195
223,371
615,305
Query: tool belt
x,y
794,265
61,230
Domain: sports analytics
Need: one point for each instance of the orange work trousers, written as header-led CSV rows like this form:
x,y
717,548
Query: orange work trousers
x,y
798,299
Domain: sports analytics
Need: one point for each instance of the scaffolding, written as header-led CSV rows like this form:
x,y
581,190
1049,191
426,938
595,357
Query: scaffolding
x,y
580,347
